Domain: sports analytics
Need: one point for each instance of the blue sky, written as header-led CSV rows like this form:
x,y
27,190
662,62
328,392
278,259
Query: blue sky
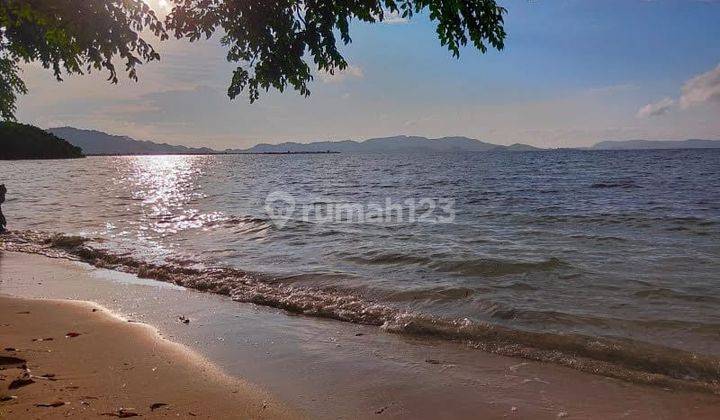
x,y
573,72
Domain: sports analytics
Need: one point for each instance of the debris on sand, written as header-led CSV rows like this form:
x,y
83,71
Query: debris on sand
x,y
43,339
433,361
51,404
10,361
21,382
380,411
155,406
72,334
122,413
514,368
6,398
184,319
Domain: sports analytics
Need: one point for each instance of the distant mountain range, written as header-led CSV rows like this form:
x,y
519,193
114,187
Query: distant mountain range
x,y
98,143
388,145
657,144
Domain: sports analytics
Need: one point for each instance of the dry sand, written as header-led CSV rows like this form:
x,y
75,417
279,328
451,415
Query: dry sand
x,y
112,368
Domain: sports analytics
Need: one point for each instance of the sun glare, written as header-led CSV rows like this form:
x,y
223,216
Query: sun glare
x,y
160,6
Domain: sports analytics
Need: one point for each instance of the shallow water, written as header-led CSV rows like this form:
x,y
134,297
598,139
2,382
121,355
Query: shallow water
x,y
620,245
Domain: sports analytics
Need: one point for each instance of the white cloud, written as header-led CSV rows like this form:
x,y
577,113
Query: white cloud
x,y
655,109
394,18
701,89
391,18
351,72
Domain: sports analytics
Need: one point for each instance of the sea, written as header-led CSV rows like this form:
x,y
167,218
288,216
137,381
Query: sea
x,y
599,259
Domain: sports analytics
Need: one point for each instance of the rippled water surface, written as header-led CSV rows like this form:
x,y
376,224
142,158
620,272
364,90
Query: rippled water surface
x,y
606,244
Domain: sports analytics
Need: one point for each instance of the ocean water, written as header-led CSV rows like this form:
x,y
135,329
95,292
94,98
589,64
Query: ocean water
x,y
596,256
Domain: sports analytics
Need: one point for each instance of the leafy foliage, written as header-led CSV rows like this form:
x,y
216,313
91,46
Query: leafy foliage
x,y
72,36
10,86
22,141
274,42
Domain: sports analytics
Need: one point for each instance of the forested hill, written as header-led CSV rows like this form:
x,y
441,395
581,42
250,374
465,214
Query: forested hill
x,y
23,141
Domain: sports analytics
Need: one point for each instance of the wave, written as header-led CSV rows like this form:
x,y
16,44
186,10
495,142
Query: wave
x,y
689,224
486,267
613,357
661,293
495,267
623,359
620,183
598,238
434,294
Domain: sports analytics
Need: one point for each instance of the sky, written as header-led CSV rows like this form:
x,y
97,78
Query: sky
x,y
574,72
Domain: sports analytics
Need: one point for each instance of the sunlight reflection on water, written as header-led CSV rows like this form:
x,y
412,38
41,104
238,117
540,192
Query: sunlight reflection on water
x,y
160,192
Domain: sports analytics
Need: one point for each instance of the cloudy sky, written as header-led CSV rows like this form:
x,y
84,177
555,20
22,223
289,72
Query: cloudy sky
x,y
574,72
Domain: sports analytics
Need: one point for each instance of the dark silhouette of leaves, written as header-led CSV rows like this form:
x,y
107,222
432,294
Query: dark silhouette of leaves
x,y
72,37
276,43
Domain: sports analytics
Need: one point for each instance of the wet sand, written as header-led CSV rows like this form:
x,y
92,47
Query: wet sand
x,y
74,359
324,368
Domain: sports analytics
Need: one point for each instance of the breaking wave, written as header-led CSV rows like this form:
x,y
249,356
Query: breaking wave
x,y
475,267
619,358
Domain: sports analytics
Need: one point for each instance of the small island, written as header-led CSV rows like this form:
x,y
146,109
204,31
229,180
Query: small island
x,y
23,141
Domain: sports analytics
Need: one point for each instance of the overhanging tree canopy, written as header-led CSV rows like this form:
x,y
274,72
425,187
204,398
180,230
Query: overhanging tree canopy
x,y
274,42
72,36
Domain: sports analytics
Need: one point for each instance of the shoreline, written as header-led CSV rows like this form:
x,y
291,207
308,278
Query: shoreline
x,y
77,359
332,369
636,362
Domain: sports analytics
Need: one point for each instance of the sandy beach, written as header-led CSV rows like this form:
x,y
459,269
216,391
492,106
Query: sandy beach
x,y
412,210
74,359
244,361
